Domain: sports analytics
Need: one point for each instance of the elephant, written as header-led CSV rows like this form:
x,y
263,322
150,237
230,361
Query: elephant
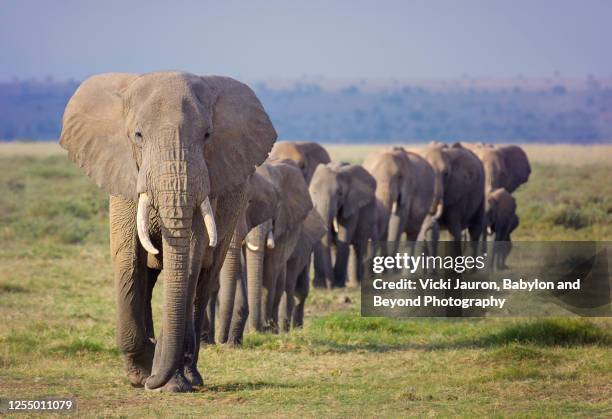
x,y
230,297
298,279
459,201
505,167
306,154
344,196
405,184
502,220
266,266
174,152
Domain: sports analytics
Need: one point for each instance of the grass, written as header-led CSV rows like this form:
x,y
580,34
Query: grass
x,y
57,329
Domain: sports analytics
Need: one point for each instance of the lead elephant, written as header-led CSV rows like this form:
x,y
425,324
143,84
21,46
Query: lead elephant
x,y
459,191
174,151
306,154
344,196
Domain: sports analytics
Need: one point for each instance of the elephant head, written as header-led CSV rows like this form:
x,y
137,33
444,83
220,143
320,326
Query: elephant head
x,y
338,192
169,141
394,186
436,155
306,154
517,165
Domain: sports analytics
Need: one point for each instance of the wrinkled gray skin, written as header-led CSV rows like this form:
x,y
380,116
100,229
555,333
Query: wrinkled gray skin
x,y
306,154
267,270
171,142
297,279
228,303
502,220
405,184
344,196
459,191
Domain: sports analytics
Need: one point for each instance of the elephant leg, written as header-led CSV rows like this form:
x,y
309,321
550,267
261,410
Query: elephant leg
x,y
322,262
211,316
279,293
353,268
271,270
131,286
302,287
199,324
241,313
341,264
288,299
229,279
356,264
454,228
152,275
475,233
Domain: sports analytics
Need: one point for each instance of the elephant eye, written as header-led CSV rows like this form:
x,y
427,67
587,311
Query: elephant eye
x,y
138,135
207,136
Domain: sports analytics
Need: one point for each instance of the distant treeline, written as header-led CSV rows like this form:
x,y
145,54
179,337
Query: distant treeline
x,y
551,112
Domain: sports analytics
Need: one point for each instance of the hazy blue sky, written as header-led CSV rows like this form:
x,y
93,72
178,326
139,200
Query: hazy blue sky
x,y
336,39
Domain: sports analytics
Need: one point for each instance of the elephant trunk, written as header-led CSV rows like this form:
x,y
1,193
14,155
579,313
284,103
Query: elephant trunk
x,y
179,190
390,200
437,206
255,262
229,276
176,231
324,275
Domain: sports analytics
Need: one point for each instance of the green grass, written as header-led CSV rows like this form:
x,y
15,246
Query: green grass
x,y
57,324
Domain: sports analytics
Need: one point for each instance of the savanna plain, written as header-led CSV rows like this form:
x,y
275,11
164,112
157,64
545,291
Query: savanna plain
x,y
57,317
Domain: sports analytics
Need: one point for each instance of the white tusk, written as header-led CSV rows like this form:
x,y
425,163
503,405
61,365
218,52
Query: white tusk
x,y
252,247
209,222
270,240
142,223
394,208
335,224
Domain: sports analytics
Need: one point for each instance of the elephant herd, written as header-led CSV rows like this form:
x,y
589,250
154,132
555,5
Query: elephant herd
x,y
200,189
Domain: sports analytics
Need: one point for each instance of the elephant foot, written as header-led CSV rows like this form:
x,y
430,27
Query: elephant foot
x,y
233,343
138,365
193,376
271,327
177,384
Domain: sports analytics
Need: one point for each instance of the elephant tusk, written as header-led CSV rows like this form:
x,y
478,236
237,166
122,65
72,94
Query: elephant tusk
x,y
439,210
394,208
335,224
142,223
209,222
252,247
270,240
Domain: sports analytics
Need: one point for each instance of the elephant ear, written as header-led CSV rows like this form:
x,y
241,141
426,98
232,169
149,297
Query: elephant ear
x,y
264,198
362,189
93,132
295,199
242,133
